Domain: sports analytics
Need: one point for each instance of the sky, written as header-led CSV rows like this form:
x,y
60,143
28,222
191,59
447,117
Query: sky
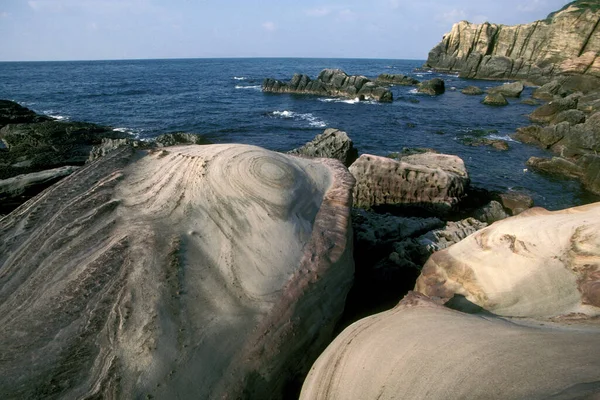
x,y
38,30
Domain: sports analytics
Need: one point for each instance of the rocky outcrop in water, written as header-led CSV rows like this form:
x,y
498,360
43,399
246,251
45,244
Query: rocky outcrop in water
x,y
567,42
397,79
332,143
472,91
495,99
435,182
193,272
14,113
333,83
433,87
513,89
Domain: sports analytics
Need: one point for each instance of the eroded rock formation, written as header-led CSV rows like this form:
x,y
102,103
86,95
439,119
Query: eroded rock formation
x,y
567,42
188,272
332,143
331,82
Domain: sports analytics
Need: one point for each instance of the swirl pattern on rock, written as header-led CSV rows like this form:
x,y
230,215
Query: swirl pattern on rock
x,y
331,82
192,272
537,264
432,181
421,350
567,42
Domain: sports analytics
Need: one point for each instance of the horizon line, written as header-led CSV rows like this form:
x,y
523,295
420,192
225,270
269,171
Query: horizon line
x,y
211,58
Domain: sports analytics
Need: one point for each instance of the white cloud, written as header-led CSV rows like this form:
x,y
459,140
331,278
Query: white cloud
x,y
269,26
318,12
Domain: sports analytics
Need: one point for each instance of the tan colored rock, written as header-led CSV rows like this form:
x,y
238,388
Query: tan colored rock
x,y
568,41
436,181
537,264
202,272
421,350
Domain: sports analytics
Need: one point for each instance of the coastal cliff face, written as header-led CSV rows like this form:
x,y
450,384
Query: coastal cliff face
x,y
567,42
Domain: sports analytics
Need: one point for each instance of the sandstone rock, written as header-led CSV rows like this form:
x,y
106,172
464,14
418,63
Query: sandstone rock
x,y
570,39
432,87
515,202
495,99
432,181
331,82
472,90
14,113
332,143
513,89
421,350
547,112
555,166
397,79
537,264
195,271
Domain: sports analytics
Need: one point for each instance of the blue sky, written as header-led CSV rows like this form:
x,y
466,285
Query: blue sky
x,y
118,29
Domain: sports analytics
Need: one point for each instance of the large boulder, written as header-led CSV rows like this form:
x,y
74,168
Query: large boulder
x,y
513,89
331,82
436,182
548,112
202,272
332,143
397,79
495,99
433,87
14,113
537,264
422,350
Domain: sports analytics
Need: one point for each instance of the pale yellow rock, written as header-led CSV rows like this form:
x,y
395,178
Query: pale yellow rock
x,y
190,272
537,264
421,350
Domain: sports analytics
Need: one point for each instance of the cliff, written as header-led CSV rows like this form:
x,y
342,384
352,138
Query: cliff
x,y
566,42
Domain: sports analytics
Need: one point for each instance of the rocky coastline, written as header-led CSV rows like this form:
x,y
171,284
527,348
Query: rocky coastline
x,y
178,268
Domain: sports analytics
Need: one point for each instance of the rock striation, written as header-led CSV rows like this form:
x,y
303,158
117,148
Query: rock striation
x,y
436,182
422,350
212,271
331,82
566,42
332,143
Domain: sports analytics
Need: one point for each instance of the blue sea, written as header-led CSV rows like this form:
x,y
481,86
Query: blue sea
x,y
222,99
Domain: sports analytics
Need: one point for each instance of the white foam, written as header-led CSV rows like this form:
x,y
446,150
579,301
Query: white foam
x,y
308,117
255,87
414,91
135,132
53,114
506,138
240,78
356,100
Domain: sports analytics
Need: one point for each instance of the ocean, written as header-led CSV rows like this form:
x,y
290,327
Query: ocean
x,y
222,100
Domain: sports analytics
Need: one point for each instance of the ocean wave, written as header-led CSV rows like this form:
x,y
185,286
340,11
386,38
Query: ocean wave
x,y
135,132
255,87
240,78
308,117
53,114
355,100
506,138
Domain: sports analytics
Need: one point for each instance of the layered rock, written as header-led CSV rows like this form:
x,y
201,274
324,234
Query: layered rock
x,y
537,264
332,143
436,182
422,350
397,79
331,82
194,271
567,42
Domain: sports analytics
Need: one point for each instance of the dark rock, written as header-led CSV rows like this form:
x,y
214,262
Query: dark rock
x,y
432,87
331,82
515,202
513,89
397,79
573,117
472,90
495,143
590,166
177,138
490,213
14,113
544,137
332,143
547,112
495,99
107,145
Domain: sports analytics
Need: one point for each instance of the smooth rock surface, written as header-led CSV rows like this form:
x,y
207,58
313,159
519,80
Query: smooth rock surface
x,y
332,143
192,272
422,350
537,264
432,181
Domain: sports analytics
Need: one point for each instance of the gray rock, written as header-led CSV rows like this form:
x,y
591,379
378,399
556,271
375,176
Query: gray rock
x,y
573,117
547,112
515,202
472,90
490,213
530,102
397,79
495,99
177,138
452,233
513,89
432,87
332,143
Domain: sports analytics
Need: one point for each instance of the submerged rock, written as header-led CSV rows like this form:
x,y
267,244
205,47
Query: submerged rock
x,y
472,90
194,271
495,99
432,87
332,143
435,182
397,79
331,82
